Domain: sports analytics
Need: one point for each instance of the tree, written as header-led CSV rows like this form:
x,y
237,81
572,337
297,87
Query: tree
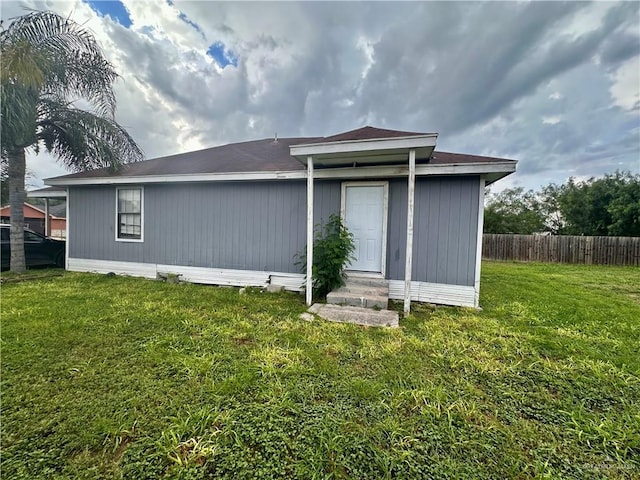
x,y
605,206
549,201
48,63
4,186
513,211
598,206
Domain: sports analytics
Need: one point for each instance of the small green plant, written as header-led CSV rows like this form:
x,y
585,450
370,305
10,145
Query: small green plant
x,y
333,248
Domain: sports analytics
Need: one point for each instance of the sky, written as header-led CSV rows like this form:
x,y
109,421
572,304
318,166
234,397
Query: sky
x,y
553,85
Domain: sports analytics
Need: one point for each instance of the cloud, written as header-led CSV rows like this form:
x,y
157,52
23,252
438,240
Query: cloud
x,y
625,85
554,85
551,120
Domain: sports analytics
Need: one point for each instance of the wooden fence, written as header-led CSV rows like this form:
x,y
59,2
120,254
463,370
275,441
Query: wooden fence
x,y
562,249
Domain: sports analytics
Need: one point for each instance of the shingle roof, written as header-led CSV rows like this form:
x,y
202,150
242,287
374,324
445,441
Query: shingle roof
x,y
59,211
367,133
439,158
256,156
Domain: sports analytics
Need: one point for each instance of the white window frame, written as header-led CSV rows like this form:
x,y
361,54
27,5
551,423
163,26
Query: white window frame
x,y
135,240
385,219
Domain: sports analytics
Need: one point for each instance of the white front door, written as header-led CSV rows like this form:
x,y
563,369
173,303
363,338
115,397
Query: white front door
x,y
365,217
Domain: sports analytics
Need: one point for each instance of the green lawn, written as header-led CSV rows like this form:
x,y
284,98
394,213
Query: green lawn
x,y
114,377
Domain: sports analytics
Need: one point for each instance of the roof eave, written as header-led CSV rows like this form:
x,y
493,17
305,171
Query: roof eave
x,y
488,169
45,193
334,152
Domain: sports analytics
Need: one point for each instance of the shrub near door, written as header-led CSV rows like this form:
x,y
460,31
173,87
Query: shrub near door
x,y
332,250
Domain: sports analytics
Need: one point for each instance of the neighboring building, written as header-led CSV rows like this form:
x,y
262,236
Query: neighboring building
x,y
238,214
34,219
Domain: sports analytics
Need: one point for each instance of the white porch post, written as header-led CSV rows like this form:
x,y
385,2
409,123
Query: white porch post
x,y
309,287
47,220
66,233
476,283
409,249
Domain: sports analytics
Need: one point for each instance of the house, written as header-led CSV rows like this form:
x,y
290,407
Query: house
x,y
238,214
34,219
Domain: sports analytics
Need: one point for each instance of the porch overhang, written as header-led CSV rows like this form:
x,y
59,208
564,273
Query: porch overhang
x,y
48,192
377,151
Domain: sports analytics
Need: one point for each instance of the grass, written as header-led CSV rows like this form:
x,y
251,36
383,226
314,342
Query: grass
x,y
115,377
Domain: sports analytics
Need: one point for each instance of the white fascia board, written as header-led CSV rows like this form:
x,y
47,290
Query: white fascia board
x,y
351,146
421,170
196,177
36,194
382,171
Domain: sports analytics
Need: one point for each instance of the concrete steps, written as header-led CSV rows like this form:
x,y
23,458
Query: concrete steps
x,y
361,292
362,301
357,315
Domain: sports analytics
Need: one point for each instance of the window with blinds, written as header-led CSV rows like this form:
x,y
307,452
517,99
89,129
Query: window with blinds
x,y
129,215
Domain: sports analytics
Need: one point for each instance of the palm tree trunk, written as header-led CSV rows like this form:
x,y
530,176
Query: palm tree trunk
x,y
16,171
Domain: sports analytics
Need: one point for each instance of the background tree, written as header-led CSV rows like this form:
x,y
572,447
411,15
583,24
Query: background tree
x,y
624,207
549,201
513,211
48,63
609,205
604,206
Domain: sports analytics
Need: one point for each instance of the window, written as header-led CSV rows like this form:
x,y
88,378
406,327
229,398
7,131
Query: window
x,y
129,214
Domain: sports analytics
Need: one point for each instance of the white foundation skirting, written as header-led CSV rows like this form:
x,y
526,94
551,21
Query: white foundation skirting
x,y
439,293
213,276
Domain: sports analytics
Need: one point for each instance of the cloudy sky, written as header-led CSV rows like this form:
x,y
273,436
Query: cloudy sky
x,y
553,85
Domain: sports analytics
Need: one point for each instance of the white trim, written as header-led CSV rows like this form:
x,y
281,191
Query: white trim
x,y
476,284
185,177
361,274
366,145
209,276
479,168
289,281
134,269
309,280
385,218
411,187
132,240
51,194
438,293
66,233
47,219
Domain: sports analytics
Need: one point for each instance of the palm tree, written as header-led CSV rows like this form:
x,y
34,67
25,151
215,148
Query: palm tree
x,y
49,62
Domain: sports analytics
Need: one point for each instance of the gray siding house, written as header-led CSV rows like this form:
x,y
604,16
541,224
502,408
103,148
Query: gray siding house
x,y
238,214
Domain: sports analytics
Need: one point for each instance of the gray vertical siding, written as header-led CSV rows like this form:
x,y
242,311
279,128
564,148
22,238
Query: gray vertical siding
x,y
239,225
262,225
91,226
445,228
326,201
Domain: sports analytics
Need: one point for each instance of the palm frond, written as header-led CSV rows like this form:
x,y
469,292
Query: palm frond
x,y
83,140
19,110
20,61
70,59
